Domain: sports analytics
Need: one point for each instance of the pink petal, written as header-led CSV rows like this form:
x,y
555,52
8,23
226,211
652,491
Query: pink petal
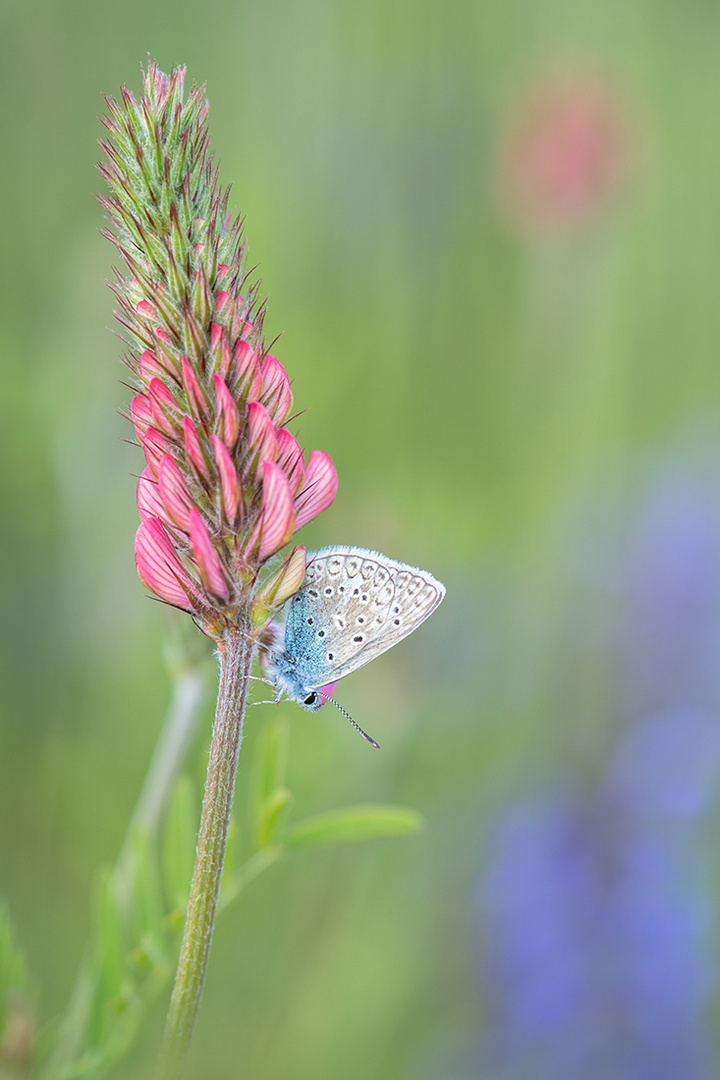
x,y
194,450
290,459
206,557
156,445
276,393
247,370
221,301
197,397
149,366
145,308
220,350
319,488
140,415
160,568
164,407
277,514
167,358
261,437
227,413
229,481
174,493
149,502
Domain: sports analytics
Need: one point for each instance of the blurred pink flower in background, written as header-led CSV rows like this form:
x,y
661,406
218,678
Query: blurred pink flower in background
x,y
564,155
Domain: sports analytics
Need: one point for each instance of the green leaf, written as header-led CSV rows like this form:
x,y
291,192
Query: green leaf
x,y
353,824
179,841
268,795
147,907
111,959
271,820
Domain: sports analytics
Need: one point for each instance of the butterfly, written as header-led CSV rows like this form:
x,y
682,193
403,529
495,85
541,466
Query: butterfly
x,y
353,605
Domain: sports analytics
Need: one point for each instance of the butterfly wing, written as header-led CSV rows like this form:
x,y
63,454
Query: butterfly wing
x,y
354,605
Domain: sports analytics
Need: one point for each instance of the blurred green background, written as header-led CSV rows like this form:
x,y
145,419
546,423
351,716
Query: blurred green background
x,y
510,386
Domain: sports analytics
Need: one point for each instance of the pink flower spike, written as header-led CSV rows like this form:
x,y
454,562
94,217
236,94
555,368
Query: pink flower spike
x,y
160,569
194,450
196,395
276,393
229,481
156,445
262,439
206,557
277,514
290,459
319,488
174,494
164,407
140,415
149,503
227,413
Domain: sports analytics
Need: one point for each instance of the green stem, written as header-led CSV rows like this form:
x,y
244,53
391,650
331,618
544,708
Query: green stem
x,y
236,653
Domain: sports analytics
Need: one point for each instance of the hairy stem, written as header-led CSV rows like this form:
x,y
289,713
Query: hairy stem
x,y
236,652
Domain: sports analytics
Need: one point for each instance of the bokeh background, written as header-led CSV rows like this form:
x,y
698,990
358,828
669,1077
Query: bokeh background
x,y
490,236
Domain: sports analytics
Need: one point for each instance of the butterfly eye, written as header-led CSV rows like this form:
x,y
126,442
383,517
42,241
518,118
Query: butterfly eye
x,y
310,699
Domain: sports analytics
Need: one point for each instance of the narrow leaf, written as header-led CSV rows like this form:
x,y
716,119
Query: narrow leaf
x,y
178,844
268,768
269,827
147,908
352,824
111,960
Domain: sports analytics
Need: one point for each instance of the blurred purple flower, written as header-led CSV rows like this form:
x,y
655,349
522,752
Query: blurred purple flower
x,y
595,923
671,636
594,936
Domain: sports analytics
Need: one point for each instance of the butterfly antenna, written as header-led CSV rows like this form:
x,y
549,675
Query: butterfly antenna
x,y
349,717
